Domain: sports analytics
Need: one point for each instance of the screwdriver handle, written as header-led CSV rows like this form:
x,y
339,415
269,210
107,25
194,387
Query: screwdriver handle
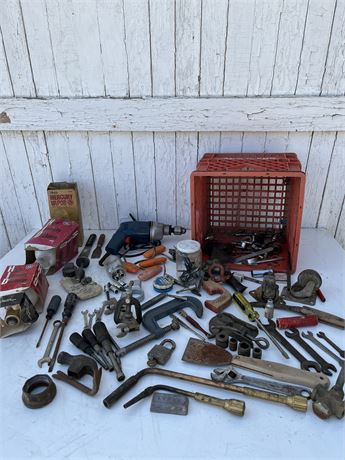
x,y
234,283
101,331
193,322
80,343
53,306
69,305
245,306
90,337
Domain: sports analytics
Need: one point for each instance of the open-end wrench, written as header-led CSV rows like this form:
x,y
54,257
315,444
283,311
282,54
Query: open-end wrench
x,y
310,336
304,363
85,314
326,367
323,336
230,375
46,357
90,316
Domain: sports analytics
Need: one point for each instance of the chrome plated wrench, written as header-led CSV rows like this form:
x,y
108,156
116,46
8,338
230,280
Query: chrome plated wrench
x,y
310,336
46,357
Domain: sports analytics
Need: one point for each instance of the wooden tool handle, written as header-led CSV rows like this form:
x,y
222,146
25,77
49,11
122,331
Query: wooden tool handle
x,y
217,305
152,262
154,251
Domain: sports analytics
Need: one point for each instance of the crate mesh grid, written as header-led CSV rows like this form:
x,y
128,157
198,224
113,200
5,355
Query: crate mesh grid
x,y
248,202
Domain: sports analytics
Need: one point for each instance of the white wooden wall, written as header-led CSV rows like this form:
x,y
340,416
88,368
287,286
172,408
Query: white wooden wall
x,y
163,48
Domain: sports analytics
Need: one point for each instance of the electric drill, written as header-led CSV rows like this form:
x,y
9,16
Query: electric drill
x,y
137,232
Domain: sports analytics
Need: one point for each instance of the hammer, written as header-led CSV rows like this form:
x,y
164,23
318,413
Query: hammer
x,y
330,402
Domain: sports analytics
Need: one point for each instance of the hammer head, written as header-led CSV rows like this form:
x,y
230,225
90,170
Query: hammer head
x,y
328,402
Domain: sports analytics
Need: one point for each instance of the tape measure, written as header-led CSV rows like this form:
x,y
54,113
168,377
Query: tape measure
x,y
163,284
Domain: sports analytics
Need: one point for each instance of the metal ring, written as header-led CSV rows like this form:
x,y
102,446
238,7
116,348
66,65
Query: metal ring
x,y
41,399
261,342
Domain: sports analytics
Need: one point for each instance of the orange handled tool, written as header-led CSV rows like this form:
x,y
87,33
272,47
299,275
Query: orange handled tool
x,y
154,251
130,267
151,262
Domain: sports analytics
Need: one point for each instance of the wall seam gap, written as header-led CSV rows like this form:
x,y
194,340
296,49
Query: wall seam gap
x,y
93,178
338,221
150,42
27,49
302,46
200,50
6,59
6,231
328,46
135,176
226,44
52,50
101,51
250,57
126,51
113,172
276,47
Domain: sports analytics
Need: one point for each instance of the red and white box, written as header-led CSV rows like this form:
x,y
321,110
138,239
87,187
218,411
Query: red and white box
x,y
54,245
23,291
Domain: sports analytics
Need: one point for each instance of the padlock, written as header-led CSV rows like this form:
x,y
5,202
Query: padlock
x,y
160,354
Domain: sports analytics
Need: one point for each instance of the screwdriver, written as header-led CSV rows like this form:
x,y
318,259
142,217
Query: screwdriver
x,y
69,305
91,339
82,345
103,337
192,322
51,310
253,315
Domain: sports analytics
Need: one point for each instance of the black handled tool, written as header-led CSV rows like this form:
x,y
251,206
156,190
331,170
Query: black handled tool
x,y
91,339
69,305
103,337
51,310
79,342
97,252
83,258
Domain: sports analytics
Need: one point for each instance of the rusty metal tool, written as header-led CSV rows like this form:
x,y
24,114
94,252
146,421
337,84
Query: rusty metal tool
x,y
304,362
310,336
51,310
46,357
323,336
330,402
253,315
69,305
83,258
198,352
230,375
326,367
234,406
295,402
324,317
97,252
103,337
192,322
220,303
185,326
78,366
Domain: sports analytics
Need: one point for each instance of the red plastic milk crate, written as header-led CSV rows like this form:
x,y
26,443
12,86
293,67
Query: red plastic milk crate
x,y
252,192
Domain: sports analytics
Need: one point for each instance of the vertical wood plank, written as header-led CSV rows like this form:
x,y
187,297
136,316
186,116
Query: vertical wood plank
x,y
334,78
138,47
253,142
317,169
123,161
162,26
276,142
38,38
103,174
4,241
87,44
63,38
38,157
299,143
188,19
333,196
70,161
13,33
165,168
187,151
340,232
113,50
239,43
213,36
231,142
144,164
22,179
209,142
5,79
315,46
9,204
265,33
291,30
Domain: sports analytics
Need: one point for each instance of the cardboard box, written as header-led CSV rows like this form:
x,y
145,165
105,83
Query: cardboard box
x,y
54,245
23,291
63,200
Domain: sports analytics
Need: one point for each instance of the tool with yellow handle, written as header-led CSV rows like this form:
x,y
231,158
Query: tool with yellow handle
x,y
253,315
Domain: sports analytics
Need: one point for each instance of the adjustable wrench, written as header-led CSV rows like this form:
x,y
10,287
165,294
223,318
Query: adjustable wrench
x,y
46,357
305,363
230,375
310,336
326,367
323,336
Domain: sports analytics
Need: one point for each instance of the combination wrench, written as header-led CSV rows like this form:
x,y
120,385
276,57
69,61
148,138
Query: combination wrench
x,y
323,336
304,363
230,375
326,367
310,336
46,357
